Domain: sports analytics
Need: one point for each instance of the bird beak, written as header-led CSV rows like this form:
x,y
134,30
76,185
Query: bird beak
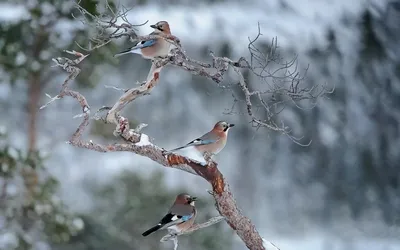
x,y
193,198
153,26
231,125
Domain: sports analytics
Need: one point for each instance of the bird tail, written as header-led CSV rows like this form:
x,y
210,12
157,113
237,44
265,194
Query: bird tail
x,y
131,50
176,149
152,230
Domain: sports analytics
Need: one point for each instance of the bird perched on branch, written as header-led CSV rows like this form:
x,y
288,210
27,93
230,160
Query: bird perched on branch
x,y
150,49
212,142
180,216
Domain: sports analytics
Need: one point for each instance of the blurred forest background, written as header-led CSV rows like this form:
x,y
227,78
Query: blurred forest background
x,y
341,192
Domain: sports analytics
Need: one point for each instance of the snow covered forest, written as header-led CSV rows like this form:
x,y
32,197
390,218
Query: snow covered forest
x,y
315,166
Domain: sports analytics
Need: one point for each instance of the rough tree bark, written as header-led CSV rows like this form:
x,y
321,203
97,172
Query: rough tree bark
x,y
139,143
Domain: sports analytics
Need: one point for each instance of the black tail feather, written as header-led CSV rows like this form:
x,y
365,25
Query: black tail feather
x,y
151,230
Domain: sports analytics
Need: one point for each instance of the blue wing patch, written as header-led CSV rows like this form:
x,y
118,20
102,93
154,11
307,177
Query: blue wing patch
x,y
143,44
148,43
202,142
186,217
205,142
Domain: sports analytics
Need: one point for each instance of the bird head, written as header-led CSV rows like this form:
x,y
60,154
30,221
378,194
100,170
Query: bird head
x,y
184,198
161,27
222,126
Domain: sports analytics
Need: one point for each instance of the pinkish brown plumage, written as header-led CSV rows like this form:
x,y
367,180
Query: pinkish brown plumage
x,y
152,48
180,216
212,142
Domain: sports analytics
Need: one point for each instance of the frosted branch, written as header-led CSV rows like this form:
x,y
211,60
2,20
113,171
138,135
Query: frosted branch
x,y
105,27
282,81
132,94
52,99
70,66
141,144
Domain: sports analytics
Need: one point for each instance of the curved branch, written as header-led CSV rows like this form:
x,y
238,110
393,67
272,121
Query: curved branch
x,y
285,87
140,144
133,93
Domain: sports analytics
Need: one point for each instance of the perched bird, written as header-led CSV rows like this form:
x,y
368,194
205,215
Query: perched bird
x,y
152,48
212,142
180,216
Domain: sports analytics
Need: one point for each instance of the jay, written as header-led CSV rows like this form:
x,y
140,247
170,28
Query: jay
x,y
150,49
212,142
180,216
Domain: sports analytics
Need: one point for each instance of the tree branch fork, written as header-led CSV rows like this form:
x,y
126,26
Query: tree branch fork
x,y
140,143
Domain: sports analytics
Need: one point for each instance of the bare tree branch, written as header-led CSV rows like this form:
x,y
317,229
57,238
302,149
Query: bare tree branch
x,y
285,86
140,144
133,93
280,83
284,83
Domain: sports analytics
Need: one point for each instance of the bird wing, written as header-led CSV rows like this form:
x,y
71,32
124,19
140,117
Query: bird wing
x,y
140,45
143,44
206,139
182,210
178,213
